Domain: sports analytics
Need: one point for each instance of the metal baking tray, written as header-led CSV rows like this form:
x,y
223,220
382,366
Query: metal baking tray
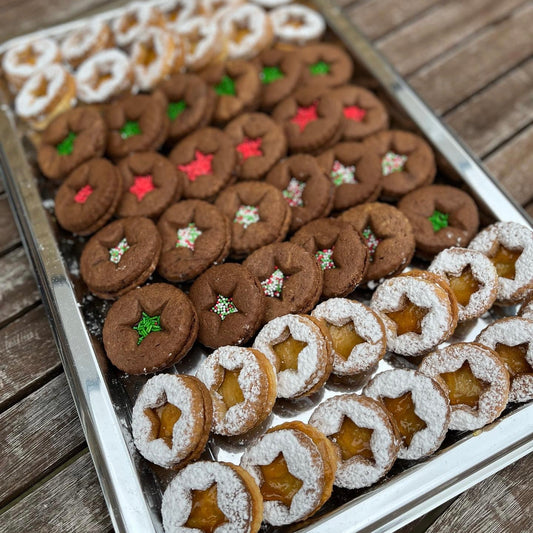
x,y
104,396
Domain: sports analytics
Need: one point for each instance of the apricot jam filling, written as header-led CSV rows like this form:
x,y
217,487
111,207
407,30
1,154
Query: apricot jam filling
x,y
129,21
102,77
407,421
240,32
230,389
278,483
505,260
353,440
408,318
42,89
148,54
344,338
514,358
463,286
27,56
205,512
288,352
163,419
464,387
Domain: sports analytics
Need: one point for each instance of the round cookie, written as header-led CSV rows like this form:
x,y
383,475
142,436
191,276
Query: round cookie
x,y
297,24
195,236
149,329
230,304
121,256
134,21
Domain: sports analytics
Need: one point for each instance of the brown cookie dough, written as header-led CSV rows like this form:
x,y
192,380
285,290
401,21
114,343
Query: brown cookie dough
x,y
230,304
305,187
149,183
88,197
259,215
355,173
149,329
136,123
205,161
290,277
195,235
121,256
69,140
388,235
441,216
339,251
407,161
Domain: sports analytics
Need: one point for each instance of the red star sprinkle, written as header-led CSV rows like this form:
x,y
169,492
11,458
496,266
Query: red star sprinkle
x,y
83,194
199,166
304,115
250,148
142,186
353,112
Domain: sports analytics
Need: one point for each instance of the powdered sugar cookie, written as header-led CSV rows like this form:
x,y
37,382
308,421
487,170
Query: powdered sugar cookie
x,y
363,435
297,24
510,248
300,350
526,310
512,340
137,17
476,380
178,11
218,9
79,45
243,386
171,420
418,406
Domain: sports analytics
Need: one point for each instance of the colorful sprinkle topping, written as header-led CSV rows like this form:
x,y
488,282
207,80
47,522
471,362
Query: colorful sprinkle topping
x,y
353,112
371,241
392,163
324,259
142,185
66,146
270,74
187,236
320,68
116,253
438,220
294,193
250,148
130,128
225,86
341,174
247,215
174,109
304,115
199,166
148,324
224,307
274,284
83,194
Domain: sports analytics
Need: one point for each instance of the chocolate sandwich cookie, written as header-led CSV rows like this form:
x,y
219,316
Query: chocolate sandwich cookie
x,y
195,235
69,140
305,187
441,216
88,197
340,252
121,256
149,329
230,304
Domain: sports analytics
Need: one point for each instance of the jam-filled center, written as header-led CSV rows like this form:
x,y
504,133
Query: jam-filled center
x,y
408,318
42,88
464,285
229,389
505,261
241,30
101,78
344,338
27,56
205,513
163,420
464,387
514,358
407,421
287,352
278,483
353,440
148,54
129,21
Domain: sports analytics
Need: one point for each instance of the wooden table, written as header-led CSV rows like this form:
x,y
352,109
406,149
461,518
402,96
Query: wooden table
x,y
470,60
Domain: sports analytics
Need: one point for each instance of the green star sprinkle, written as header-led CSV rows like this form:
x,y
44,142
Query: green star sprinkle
x,y
270,74
225,86
66,146
438,220
319,69
174,109
147,324
224,307
130,128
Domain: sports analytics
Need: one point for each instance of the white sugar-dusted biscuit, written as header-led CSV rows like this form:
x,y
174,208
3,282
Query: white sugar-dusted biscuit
x,y
134,21
86,41
297,24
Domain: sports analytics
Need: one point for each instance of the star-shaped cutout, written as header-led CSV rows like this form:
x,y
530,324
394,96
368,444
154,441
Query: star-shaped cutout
x,y
201,165
278,483
224,306
142,185
250,148
353,440
438,220
147,325
205,513
273,285
353,112
304,115
408,317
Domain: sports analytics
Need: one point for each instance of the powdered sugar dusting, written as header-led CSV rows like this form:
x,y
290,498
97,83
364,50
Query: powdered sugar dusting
x,y
79,43
44,50
312,28
133,22
526,311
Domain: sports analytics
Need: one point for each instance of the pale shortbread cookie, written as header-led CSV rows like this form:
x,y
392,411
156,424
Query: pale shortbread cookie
x,y
297,24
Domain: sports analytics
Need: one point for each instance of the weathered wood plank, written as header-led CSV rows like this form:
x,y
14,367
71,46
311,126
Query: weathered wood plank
x,y
460,73
529,209
71,501
436,31
9,236
37,435
494,115
29,356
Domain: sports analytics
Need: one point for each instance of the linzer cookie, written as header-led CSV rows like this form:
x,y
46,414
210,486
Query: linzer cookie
x,y
69,140
290,277
83,43
171,420
441,217
195,236
88,198
149,329
259,143
179,11
476,380
134,21
121,256
407,161
259,215
205,160
339,251
305,187
297,24
230,304
526,309
149,183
